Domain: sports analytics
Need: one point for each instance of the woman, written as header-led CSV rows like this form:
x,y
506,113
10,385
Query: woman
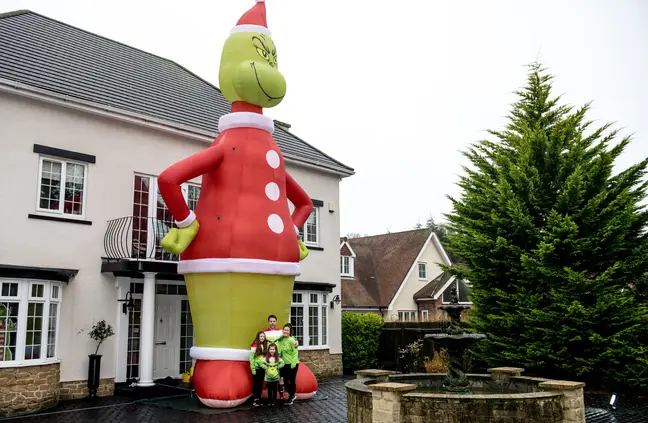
x,y
258,373
290,355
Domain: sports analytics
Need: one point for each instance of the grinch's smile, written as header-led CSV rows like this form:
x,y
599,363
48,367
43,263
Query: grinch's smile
x,y
256,74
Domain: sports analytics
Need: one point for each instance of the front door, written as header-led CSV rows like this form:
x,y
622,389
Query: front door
x,y
167,339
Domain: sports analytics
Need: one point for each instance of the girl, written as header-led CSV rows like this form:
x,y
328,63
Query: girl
x,y
290,356
272,363
258,374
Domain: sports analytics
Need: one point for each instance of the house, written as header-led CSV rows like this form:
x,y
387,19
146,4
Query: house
x,y
398,276
87,124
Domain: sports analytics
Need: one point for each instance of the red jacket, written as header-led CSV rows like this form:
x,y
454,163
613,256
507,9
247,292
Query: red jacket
x,y
245,223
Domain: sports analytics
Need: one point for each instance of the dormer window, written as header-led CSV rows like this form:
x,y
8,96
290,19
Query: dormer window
x,y
346,266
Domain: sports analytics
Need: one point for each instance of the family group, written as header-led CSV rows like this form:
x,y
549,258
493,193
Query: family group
x,y
274,361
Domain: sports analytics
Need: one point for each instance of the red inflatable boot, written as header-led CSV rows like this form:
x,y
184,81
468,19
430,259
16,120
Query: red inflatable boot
x,y
222,383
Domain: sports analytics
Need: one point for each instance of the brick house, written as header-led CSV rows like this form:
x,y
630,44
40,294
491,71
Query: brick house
x,y
397,275
88,124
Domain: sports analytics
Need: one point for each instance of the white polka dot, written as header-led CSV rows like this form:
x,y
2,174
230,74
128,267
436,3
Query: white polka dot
x,y
275,223
272,191
272,158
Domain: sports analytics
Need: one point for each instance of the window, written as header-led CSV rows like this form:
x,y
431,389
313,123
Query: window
x,y
62,179
463,292
407,316
425,315
152,220
309,317
186,337
29,318
309,232
422,271
346,266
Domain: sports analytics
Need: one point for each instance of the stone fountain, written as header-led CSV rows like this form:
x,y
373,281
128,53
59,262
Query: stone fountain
x,y
455,341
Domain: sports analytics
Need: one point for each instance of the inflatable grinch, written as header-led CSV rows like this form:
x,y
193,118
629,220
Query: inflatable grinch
x,y
240,249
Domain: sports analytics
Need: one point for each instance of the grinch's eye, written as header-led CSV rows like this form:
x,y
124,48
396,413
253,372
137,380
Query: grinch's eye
x,y
262,53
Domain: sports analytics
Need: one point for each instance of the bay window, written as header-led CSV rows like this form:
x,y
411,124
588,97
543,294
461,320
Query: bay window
x,y
309,317
29,320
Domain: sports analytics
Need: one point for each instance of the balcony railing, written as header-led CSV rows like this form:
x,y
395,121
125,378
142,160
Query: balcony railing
x,y
137,238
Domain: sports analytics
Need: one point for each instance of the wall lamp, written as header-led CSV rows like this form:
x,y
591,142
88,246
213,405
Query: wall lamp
x,y
335,300
129,304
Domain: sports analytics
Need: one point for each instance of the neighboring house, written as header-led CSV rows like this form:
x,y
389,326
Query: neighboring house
x,y
87,124
398,276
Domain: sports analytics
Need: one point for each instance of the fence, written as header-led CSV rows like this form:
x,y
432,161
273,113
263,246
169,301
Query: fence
x,y
397,335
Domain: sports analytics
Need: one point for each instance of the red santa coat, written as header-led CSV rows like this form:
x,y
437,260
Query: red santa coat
x,y
245,223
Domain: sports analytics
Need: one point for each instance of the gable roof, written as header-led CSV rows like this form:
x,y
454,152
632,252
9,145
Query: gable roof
x,y
382,262
430,290
60,59
345,248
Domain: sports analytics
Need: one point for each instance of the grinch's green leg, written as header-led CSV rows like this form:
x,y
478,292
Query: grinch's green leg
x,y
228,309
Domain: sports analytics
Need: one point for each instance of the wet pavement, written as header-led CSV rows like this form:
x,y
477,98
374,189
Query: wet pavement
x,y
328,406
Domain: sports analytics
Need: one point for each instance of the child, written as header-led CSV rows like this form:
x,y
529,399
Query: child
x,y
272,363
258,374
290,356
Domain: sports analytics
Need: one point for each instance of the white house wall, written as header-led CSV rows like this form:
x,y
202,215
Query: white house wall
x,y
405,299
120,149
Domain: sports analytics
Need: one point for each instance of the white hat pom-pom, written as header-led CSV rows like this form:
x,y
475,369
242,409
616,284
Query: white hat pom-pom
x,y
260,1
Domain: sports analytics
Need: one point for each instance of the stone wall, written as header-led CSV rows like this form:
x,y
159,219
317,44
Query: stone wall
x,y
29,388
359,406
79,389
322,363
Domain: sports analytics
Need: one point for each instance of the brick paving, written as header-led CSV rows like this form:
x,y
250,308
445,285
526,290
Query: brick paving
x,y
328,406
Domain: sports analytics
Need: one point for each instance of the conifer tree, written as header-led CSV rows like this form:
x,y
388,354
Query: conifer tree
x,y
554,244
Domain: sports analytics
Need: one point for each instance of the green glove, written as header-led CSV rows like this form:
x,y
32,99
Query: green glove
x,y
303,251
178,239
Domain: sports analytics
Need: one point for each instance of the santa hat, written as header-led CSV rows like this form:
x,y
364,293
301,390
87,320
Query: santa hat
x,y
254,20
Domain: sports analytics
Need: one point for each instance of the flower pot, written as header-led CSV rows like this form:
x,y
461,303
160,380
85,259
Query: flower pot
x,y
94,372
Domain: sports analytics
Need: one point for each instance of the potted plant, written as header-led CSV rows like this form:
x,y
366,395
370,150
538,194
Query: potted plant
x,y
99,333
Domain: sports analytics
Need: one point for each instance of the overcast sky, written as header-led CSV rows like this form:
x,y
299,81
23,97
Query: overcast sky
x,y
395,89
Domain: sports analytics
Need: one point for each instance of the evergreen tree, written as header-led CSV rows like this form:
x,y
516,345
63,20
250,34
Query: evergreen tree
x,y
555,245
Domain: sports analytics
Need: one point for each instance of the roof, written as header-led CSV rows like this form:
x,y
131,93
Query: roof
x,y
432,288
60,59
381,264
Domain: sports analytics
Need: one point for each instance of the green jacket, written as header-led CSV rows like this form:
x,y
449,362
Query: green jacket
x,y
255,362
288,351
272,369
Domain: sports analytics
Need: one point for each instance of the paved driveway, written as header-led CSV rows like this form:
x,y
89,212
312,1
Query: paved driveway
x,y
328,406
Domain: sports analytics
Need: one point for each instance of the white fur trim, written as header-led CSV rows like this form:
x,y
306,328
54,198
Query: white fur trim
x,y
305,396
245,120
229,354
277,333
188,220
238,265
214,403
251,28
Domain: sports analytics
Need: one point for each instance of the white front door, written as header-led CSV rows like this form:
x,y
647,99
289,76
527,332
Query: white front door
x,y
167,337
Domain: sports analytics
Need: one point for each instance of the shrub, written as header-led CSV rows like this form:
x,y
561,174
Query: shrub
x,y
411,357
438,364
360,340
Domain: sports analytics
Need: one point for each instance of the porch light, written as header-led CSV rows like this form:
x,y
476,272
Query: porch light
x,y
129,304
335,301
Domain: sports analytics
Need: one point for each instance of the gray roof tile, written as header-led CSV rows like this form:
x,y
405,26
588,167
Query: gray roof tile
x,y
50,55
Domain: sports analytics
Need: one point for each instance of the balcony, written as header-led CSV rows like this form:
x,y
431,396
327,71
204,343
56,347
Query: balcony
x,y
132,244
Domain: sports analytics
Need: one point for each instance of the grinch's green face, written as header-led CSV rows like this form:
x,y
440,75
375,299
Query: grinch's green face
x,y
249,71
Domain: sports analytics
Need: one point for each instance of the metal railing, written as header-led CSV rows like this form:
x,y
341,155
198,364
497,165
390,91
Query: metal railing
x,y
137,238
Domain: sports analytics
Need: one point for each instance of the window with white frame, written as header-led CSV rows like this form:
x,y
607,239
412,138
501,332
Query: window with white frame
x,y
422,271
309,317
425,315
346,266
29,319
309,233
62,187
463,292
151,216
407,316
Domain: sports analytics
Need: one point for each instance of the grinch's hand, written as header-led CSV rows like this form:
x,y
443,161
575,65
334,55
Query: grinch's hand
x,y
303,251
177,240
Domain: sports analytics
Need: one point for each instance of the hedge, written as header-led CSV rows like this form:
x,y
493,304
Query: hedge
x,y
360,340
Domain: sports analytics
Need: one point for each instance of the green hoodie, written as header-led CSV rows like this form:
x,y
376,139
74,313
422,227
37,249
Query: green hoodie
x,y
272,369
255,362
288,350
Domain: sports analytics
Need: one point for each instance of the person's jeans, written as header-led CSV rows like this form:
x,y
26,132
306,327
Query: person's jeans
x,y
290,375
257,383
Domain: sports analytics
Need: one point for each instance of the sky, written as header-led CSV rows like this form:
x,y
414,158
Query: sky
x,y
397,89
